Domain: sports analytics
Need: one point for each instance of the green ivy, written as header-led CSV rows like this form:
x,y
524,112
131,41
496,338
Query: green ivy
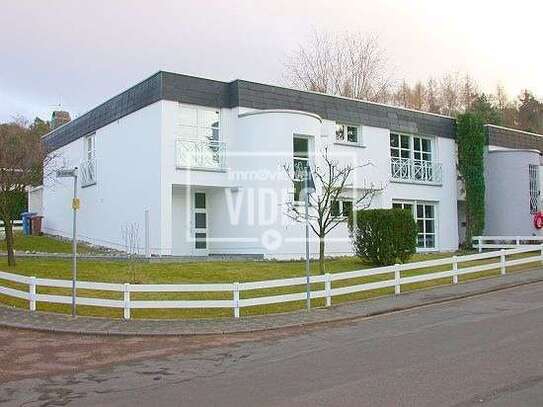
x,y
471,140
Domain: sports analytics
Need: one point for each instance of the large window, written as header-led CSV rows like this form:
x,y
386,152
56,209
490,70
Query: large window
x,y
426,218
199,123
301,161
408,146
411,159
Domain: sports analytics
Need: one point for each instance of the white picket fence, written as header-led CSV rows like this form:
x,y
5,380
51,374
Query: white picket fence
x,y
17,225
236,303
504,242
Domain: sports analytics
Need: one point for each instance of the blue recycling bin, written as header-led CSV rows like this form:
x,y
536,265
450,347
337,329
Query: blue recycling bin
x,y
25,217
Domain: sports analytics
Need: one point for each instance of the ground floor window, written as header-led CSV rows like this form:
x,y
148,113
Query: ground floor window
x,y
342,208
200,221
425,215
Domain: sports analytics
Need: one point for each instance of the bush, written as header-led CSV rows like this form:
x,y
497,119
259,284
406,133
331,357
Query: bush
x,y
384,236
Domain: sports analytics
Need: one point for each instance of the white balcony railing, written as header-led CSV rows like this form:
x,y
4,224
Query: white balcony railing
x,y
87,173
200,154
410,170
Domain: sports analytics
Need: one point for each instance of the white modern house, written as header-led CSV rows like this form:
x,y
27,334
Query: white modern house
x,y
198,166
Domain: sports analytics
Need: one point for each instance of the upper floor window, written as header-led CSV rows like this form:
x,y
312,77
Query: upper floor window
x,y
408,146
90,147
199,123
348,133
87,168
301,161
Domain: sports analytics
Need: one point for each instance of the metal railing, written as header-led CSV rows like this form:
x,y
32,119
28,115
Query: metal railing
x,y
200,154
391,278
409,169
87,173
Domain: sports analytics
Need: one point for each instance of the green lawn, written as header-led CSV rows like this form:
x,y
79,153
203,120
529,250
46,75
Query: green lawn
x,y
211,272
45,244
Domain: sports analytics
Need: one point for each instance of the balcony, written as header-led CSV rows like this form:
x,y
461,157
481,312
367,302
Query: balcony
x,y
201,154
416,171
87,173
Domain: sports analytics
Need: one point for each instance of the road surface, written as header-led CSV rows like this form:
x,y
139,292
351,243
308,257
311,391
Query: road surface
x,y
481,351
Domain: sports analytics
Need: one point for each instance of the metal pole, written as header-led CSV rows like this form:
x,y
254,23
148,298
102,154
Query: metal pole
x,y
74,248
307,270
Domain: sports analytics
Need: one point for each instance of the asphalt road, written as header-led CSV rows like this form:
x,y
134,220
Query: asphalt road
x,y
486,350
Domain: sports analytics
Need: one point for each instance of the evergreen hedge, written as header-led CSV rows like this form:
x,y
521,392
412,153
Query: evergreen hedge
x,y
384,236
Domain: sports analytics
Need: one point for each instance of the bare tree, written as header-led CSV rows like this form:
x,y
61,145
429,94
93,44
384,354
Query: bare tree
x,y
469,92
450,94
432,97
351,65
22,161
130,234
330,178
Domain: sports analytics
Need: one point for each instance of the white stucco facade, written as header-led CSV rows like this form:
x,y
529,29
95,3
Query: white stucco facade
x,y
138,169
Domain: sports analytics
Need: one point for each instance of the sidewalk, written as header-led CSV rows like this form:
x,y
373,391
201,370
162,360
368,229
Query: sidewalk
x,y
19,318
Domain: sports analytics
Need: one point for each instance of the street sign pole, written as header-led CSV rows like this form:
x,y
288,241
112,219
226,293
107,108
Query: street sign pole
x,y
75,206
307,269
72,173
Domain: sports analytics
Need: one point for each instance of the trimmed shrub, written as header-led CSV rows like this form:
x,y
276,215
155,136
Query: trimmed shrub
x,y
384,236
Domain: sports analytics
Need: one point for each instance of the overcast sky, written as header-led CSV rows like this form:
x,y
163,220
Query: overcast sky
x,y
80,52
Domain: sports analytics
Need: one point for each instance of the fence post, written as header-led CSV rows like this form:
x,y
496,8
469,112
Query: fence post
x,y
328,289
502,262
32,294
455,270
126,291
541,255
518,241
397,276
236,299
480,244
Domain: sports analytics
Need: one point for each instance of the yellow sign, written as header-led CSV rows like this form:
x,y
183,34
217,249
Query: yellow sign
x,y
76,204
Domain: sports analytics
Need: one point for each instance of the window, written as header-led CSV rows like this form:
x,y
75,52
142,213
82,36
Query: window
x,y
87,167
199,123
346,133
200,221
90,147
535,193
412,159
425,216
407,146
341,208
301,161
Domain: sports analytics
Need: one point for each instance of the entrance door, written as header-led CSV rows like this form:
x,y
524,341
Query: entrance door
x,y
199,223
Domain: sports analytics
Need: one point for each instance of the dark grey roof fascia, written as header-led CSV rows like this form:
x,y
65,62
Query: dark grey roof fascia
x,y
208,92
511,138
260,96
137,97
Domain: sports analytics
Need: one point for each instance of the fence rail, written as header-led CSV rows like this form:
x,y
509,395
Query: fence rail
x,y
504,242
236,303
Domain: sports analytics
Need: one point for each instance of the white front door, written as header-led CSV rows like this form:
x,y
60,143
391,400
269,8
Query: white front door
x,y
199,224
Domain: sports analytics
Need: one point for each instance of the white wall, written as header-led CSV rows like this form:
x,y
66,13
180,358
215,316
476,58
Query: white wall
x,y
263,142
128,167
137,170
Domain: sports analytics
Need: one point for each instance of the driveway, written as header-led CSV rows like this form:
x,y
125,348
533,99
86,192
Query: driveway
x,y
485,350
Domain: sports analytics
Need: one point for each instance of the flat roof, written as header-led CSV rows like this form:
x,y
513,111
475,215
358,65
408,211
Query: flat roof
x,y
209,92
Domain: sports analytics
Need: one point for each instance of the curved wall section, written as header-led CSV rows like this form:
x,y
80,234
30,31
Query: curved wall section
x,y
508,192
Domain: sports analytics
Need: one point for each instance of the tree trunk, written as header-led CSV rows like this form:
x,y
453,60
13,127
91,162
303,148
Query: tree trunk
x,y
8,228
322,268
